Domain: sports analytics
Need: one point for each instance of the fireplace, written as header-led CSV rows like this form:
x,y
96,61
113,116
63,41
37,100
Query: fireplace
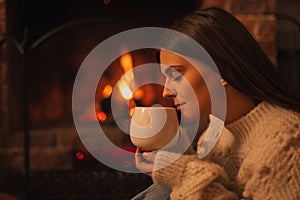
x,y
56,45
44,51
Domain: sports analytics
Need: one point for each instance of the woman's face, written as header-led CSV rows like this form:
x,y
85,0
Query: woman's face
x,y
181,76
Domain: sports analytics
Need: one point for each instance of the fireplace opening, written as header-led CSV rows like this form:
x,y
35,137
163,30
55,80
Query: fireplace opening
x,y
58,45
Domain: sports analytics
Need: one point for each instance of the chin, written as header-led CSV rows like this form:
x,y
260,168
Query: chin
x,y
187,119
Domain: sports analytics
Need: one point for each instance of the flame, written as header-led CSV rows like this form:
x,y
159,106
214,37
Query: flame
x,y
126,62
131,111
107,91
127,65
124,89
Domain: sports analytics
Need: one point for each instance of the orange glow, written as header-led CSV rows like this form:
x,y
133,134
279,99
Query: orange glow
x,y
126,62
101,116
125,90
107,91
127,65
79,155
131,111
106,2
138,94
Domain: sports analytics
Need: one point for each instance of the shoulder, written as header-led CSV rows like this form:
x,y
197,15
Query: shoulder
x,y
273,161
277,139
277,130
284,122
277,119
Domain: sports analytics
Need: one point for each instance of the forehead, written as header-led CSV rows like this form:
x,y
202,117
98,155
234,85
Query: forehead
x,y
170,58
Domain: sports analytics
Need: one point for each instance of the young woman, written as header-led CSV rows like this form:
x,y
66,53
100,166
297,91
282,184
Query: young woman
x,y
258,153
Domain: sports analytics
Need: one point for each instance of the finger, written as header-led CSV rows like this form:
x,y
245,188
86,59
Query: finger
x,y
142,164
141,156
145,167
137,156
149,156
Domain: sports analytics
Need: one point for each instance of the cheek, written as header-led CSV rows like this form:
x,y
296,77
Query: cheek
x,y
187,95
202,94
204,100
189,114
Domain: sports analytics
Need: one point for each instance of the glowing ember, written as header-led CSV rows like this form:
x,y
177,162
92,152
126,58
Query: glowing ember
x,y
79,155
101,116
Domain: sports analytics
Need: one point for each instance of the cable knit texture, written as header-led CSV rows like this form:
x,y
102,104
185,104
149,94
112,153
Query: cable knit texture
x,y
257,157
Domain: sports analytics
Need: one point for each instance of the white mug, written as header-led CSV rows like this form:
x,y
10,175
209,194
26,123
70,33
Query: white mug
x,y
154,128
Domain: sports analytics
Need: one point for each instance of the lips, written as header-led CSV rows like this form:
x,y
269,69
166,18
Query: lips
x,y
179,106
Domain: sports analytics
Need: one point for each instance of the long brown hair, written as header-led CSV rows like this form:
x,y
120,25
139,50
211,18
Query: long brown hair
x,y
240,59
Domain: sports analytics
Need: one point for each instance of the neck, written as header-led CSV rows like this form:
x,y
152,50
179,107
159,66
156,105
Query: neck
x,y
238,104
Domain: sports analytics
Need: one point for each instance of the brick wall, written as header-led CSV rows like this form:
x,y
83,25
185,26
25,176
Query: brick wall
x,y
257,16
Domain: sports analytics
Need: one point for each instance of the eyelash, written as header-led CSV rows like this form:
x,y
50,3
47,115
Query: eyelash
x,y
175,75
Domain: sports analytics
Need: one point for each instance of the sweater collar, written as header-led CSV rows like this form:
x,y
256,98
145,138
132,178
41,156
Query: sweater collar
x,y
243,127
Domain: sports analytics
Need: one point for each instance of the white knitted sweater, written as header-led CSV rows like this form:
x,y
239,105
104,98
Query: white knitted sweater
x,y
258,158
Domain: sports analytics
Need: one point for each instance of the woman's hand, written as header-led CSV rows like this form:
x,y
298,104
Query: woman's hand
x,y
144,161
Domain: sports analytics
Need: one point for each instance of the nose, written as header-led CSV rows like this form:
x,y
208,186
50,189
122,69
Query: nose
x,y
168,93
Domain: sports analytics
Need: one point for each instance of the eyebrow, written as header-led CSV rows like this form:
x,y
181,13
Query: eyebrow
x,y
172,67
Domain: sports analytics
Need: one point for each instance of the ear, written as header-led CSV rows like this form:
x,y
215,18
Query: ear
x,y
224,83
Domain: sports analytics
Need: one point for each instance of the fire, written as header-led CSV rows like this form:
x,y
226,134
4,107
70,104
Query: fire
x,y
107,91
101,116
126,62
131,111
138,94
123,84
125,90
127,65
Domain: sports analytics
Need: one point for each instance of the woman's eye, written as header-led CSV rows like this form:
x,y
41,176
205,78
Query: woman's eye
x,y
175,75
